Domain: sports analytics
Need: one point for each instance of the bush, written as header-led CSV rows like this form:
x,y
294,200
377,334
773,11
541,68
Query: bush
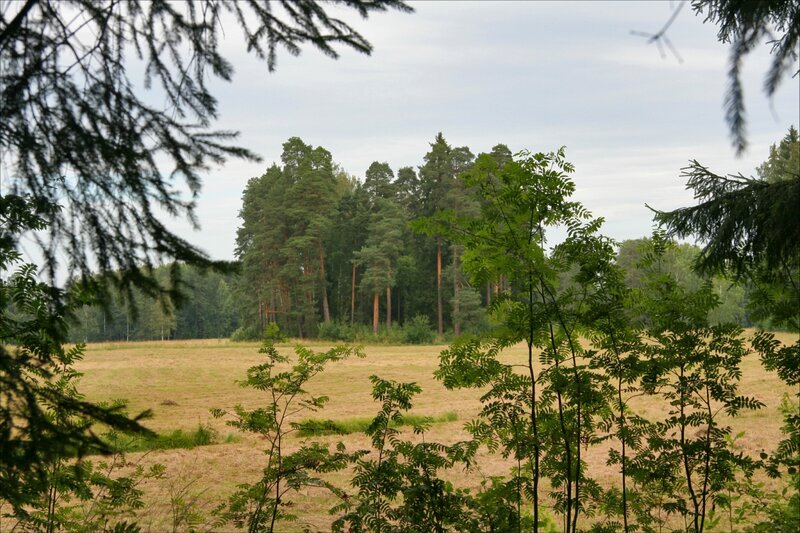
x,y
335,331
246,333
204,435
314,426
418,331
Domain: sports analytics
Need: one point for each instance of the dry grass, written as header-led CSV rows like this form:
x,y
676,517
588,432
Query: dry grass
x,y
181,381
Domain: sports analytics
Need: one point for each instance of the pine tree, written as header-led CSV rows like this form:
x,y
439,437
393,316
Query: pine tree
x,y
380,254
749,229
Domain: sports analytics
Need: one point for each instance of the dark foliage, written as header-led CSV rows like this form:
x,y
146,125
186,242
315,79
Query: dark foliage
x,y
745,25
101,158
742,220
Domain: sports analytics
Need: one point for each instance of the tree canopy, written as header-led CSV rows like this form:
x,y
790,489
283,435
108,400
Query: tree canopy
x,y
78,129
743,220
745,26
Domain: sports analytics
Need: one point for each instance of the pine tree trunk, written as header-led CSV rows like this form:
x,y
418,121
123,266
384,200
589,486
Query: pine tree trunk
x,y
439,287
326,311
375,312
273,317
388,307
389,301
399,318
456,292
353,296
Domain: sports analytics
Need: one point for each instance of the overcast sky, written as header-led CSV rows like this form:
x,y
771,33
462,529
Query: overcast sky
x,y
532,75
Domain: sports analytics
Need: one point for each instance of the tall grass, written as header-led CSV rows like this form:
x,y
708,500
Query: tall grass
x,y
315,426
202,436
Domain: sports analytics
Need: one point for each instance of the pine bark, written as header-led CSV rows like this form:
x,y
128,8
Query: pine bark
x,y
388,307
326,311
439,287
375,312
389,301
353,296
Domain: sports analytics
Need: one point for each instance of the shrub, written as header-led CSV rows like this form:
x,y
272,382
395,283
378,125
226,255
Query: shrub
x,y
202,436
246,333
335,331
418,331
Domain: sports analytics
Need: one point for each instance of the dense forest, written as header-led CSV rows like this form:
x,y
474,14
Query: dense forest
x,y
322,253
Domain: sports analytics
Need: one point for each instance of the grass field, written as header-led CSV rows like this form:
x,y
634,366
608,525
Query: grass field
x,y
181,380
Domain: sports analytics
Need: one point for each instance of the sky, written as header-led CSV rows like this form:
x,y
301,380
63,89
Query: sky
x,y
531,75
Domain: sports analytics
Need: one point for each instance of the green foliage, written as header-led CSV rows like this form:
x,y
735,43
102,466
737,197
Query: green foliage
x,y
536,418
745,25
399,490
315,426
87,154
695,367
43,419
260,506
418,331
85,497
49,428
748,225
335,331
83,138
287,219
204,435
206,310
415,331
749,228
783,162
743,221
783,506
678,261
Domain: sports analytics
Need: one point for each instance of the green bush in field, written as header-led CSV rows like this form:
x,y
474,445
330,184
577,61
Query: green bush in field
x,y
314,426
415,331
334,331
204,435
246,333
418,330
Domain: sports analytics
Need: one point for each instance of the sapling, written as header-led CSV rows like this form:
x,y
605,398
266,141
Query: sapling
x,y
261,505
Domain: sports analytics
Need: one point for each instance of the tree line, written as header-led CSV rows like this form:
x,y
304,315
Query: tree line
x,y
322,253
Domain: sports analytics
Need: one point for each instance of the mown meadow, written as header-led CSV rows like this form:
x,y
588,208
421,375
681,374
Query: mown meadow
x,y
180,381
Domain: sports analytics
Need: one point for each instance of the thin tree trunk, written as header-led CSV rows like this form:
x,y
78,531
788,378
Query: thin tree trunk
x,y
398,319
685,456
388,307
376,309
326,311
439,287
272,318
353,296
456,292
624,455
389,300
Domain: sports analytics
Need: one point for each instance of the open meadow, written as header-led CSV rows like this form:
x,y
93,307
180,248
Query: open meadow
x,y
180,381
